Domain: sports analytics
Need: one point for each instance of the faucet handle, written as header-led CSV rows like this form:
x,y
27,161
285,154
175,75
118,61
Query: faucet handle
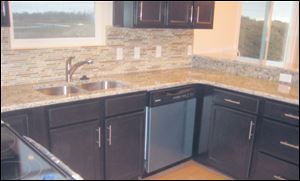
x,y
89,61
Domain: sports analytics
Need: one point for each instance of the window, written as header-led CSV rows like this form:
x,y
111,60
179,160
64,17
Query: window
x,y
267,30
44,24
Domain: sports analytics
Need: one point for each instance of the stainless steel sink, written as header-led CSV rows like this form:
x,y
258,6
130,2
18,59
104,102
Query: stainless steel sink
x,y
60,91
103,85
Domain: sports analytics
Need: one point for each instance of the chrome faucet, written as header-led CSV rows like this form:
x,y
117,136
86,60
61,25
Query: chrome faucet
x,y
70,69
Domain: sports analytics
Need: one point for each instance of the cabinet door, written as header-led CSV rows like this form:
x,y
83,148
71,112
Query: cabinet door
x,y
149,14
19,122
4,14
204,14
125,146
231,141
180,14
29,122
79,146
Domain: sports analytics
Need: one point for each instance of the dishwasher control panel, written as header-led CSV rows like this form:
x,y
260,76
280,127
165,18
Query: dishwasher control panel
x,y
168,96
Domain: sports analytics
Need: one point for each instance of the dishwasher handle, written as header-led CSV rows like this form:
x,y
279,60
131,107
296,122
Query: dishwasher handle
x,y
169,96
179,92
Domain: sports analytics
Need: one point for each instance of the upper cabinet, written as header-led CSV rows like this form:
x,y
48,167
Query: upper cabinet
x,y
164,14
180,14
204,14
4,14
150,13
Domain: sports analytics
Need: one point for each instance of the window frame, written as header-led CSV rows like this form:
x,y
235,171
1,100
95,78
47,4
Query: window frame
x,y
290,41
102,9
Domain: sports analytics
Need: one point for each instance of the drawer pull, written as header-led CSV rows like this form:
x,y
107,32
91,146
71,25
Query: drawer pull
x,y
291,116
109,135
192,13
99,137
251,130
278,177
232,101
285,143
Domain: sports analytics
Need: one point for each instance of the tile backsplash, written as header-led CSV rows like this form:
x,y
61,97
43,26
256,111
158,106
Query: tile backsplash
x,y
42,65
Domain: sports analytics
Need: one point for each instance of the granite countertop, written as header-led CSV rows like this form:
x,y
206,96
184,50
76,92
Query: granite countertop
x,y
25,96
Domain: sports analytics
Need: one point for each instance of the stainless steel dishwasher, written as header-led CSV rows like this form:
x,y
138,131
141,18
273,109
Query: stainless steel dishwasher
x,y
169,127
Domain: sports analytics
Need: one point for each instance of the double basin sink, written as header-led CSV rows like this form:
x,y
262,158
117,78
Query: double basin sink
x,y
81,88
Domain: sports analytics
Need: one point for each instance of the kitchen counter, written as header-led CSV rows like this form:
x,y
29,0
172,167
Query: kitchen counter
x,y
26,96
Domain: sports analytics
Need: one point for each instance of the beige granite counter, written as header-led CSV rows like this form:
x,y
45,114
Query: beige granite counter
x,y
25,96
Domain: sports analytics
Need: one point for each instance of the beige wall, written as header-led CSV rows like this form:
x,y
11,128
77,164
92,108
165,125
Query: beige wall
x,y
222,40
296,57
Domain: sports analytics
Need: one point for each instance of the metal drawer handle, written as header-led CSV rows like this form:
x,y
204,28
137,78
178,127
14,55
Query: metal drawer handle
x,y
285,143
109,135
141,10
99,137
198,11
251,130
232,101
278,177
291,116
192,13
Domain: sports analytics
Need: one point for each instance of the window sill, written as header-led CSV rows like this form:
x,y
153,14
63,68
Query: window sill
x,y
268,63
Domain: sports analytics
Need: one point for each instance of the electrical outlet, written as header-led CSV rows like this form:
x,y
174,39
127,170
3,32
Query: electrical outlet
x,y
137,53
120,54
190,50
158,51
287,78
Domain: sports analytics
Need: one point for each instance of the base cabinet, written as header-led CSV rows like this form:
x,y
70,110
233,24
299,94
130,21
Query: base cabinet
x,y
29,122
78,146
266,167
125,146
231,141
276,153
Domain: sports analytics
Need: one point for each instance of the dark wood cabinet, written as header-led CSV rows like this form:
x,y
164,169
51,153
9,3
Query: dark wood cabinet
x,y
266,167
98,149
5,22
203,14
163,14
80,147
231,141
29,122
125,131
139,14
180,14
149,14
125,146
276,151
77,136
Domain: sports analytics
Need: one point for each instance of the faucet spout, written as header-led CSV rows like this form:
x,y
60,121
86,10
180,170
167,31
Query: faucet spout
x,y
70,69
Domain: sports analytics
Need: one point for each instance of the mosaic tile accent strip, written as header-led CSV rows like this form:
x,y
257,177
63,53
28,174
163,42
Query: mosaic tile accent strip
x,y
243,69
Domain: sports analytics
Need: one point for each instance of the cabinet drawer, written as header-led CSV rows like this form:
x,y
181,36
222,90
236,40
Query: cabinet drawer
x,y
281,112
236,101
125,104
280,140
65,115
268,168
